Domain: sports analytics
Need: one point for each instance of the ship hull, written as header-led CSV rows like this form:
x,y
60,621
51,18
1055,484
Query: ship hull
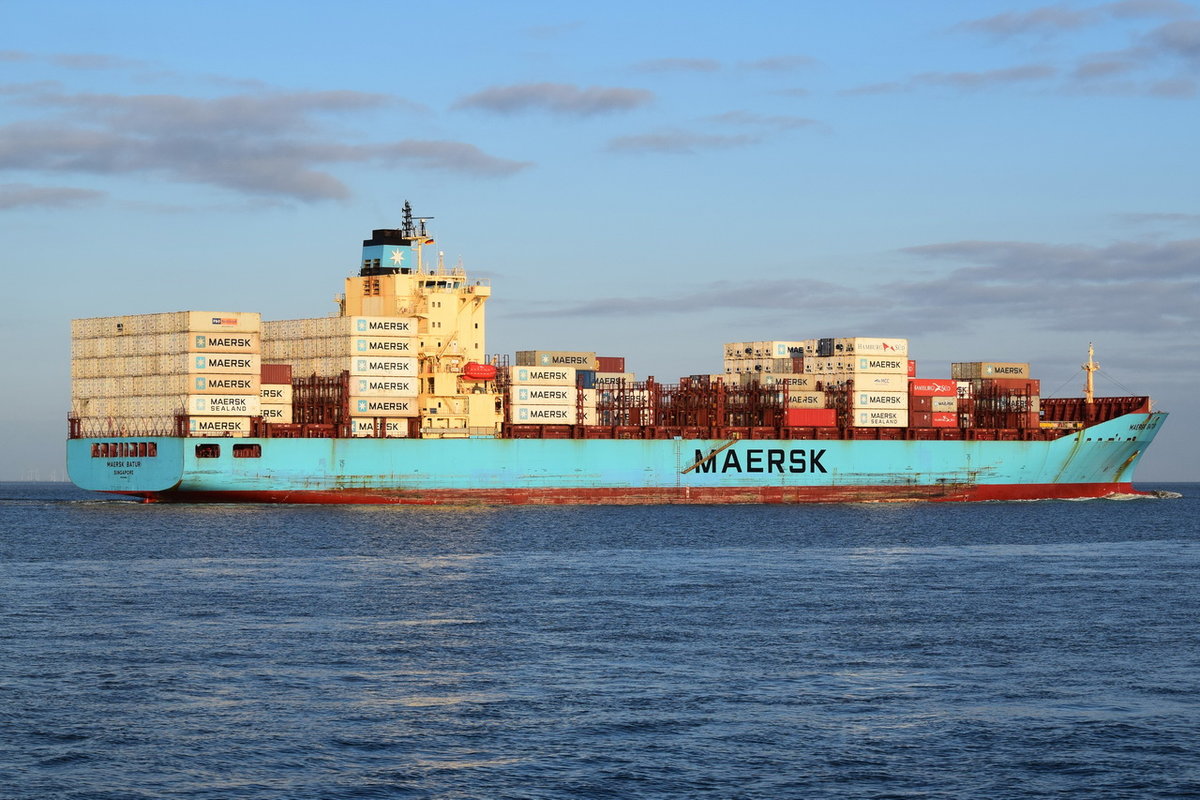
x,y
1095,462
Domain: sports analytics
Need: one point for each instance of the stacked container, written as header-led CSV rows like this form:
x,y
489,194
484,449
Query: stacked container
x,y
275,394
933,403
379,353
761,358
137,374
570,359
540,395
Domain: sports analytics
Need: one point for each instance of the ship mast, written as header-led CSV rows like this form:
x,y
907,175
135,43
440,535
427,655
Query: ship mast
x,y
1089,386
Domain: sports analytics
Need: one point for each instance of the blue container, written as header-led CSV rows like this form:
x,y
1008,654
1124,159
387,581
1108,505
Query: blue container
x,y
585,378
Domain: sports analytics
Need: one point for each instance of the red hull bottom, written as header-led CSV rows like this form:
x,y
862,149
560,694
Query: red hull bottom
x,y
663,496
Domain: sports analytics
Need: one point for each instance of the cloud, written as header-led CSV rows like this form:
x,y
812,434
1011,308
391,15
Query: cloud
x,y
1171,218
1124,287
987,78
267,143
558,98
1063,18
24,195
1181,39
781,63
678,65
76,61
677,142
774,121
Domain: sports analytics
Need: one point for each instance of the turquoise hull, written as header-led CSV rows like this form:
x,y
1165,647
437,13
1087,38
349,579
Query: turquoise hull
x,y
1097,461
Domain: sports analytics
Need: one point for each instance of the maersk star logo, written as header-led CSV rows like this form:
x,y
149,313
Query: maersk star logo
x,y
397,258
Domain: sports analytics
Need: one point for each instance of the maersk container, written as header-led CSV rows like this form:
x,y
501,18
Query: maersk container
x,y
275,393
376,345
879,418
572,359
553,376
382,365
219,426
801,399
391,428
791,380
877,364
543,415
970,370
374,386
541,395
211,405
785,349
609,379
324,327
861,399
278,413
220,384
944,404
383,406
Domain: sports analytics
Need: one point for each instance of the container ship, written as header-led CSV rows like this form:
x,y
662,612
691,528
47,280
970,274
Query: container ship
x,y
394,399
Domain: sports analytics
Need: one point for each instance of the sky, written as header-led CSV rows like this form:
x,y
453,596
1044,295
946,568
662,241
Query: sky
x,y
994,181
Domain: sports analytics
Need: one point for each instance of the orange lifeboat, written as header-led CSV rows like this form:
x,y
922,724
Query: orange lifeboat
x,y
479,372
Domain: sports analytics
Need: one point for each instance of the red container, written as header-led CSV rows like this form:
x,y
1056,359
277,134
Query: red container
x,y
276,373
811,417
932,387
475,371
920,419
920,403
610,363
1025,385
944,419
912,368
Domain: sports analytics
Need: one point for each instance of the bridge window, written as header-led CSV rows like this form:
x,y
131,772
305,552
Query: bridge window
x,y
247,451
208,451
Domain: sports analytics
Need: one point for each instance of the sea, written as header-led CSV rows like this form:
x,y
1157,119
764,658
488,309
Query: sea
x,y
1043,649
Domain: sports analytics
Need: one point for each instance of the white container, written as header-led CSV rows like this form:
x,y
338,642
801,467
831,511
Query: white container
x,y
275,393
609,379
222,384
879,382
539,395
369,386
550,376
233,405
282,413
219,426
944,403
872,399
392,428
969,370
889,365
382,365
570,359
322,327
879,418
379,346
543,415
383,406
864,345
784,349
801,399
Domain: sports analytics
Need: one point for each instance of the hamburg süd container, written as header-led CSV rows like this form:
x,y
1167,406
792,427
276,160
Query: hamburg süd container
x,y
933,387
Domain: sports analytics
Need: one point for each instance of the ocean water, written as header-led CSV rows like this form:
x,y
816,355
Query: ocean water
x,y
998,650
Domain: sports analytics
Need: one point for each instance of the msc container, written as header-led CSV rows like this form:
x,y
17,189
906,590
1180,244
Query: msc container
x,y
372,386
932,387
271,412
800,399
969,370
382,365
610,363
211,405
535,395
894,400
394,428
555,376
275,393
557,358
383,406
810,417
879,418
219,426
543,415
